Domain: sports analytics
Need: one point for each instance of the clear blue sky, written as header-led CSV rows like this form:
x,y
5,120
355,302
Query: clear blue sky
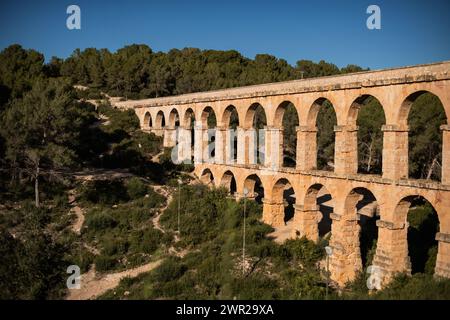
x,y
413,31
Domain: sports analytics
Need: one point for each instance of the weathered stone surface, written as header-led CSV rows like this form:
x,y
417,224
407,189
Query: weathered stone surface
x,y
396,89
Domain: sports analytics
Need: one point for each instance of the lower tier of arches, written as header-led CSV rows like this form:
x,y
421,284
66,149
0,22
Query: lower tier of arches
x,y
352,214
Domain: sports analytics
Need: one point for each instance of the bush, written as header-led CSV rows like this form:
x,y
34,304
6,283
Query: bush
x,y
114,246
169,270
104,192
105,263
136,188
100,221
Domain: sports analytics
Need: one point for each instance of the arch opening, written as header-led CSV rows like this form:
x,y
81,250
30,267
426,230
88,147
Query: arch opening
x,y
424,114
160,120
229,182
323,116
286,116
188,122
423,224
174,118
209,121
230,119
148,120
362,206
368,114
254,188
283,191
256,119
318,197
207,177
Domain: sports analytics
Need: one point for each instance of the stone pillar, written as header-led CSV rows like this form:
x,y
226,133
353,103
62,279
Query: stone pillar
x,y
184,145
345,260
395,152
273,156
170,137
306,148
158,131
220,143
443,257
391,255
346,150
306,222
445,177
247,146
273,213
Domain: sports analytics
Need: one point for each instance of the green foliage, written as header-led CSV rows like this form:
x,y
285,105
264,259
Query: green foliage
x,y
105,263
326,120
211,225
33,265
136,188
123,233
370,137
100,221
104,192
423,226
425,138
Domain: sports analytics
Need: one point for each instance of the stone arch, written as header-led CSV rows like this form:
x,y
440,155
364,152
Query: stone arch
x,y
353,235
359,103
254,187
188,118
228,181
230,120
249,121
425,159
287,118
361,207
230,117
318,199
160,120
405,107
254,146
322,119
208,118
311,120
174,118
207,177
417,238
369,135
148,120
283,191
208,122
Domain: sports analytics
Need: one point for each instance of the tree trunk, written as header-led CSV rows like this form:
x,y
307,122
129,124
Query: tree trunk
x,y
431,168
36,188
369,160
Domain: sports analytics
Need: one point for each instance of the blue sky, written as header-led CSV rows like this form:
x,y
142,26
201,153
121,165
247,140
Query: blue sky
x,y
413,32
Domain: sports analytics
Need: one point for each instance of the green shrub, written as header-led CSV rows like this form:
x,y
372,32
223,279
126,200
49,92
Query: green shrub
x,y
136,188
169,270
105,263
104,192
100,221
114,246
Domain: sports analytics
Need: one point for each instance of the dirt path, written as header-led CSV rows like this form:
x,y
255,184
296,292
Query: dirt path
x,y
94,285
166,193
76,226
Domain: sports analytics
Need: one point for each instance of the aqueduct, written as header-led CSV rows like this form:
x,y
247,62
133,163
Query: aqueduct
x,y
392,191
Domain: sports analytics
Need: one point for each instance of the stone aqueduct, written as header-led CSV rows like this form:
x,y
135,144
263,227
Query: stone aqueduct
x,y
395,89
